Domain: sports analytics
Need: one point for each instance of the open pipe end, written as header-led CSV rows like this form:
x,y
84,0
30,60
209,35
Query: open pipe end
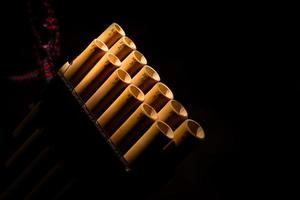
x,y
178,108
152,73
101,45
114,59
123,75
165,129
139,57
118,28
136,92
127,41
195,129
149,111
165,90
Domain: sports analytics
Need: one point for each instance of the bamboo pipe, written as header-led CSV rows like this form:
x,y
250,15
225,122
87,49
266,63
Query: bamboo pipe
x,y
108,92
134,62
151,143
189,131
158,96
98,74
146,78
173,113
122,47
121,109
64,68
85,61
112,34
134,127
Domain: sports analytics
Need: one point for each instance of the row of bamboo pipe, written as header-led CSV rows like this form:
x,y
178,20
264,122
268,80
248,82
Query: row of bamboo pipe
x,y
136,110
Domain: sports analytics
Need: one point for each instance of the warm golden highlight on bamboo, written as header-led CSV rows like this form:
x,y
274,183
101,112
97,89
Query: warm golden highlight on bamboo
x,y
137,112
152,143
146,78
158,96
121,108
85,61
134,127
173,113
108,92
122,47
98,74
134,62
188,131
112,34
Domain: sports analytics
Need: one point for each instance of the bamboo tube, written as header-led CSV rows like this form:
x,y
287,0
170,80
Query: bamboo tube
x,y
122,47
189,131
146,78
121,108
64,68
98,74
85,61
173,113
108,92
112,34
134,127
158,96
134,62
151,143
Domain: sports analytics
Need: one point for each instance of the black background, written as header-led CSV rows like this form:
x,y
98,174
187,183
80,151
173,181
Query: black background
x,y
218,59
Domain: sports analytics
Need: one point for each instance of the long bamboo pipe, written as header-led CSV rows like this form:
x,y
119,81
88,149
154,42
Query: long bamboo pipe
x,y
85,61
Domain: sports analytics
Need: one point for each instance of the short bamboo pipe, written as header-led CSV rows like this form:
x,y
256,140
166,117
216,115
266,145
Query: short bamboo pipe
x,y
188,132
151,144
85,61
97,75
173,113
146,78
123,47
134,62
112,34
64,68
134,127
108,92
158,96
121,109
